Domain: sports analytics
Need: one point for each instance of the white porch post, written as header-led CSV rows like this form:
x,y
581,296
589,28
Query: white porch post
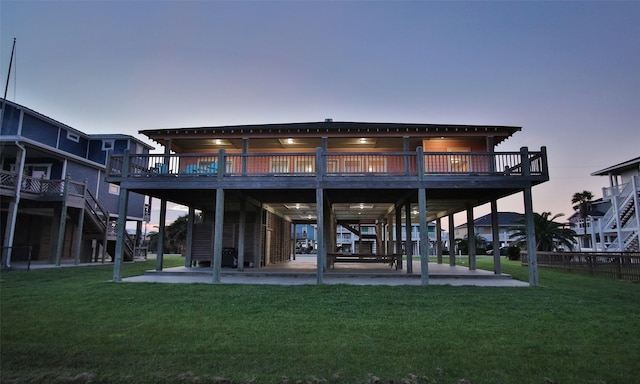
x,y
160,238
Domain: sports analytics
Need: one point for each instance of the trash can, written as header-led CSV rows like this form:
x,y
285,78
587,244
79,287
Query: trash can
x,y
229,257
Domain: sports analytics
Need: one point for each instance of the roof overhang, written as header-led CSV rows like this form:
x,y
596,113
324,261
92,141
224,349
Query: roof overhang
x,y
309,135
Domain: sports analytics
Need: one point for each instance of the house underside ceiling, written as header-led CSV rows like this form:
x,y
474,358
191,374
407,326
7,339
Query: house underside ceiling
x,y
348,205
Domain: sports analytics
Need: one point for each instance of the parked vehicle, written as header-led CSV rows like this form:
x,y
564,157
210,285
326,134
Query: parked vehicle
x,y
502,250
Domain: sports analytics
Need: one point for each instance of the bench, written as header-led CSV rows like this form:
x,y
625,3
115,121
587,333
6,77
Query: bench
x,y
392,260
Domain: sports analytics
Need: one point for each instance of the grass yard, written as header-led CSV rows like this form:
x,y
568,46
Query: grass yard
x,y
72,325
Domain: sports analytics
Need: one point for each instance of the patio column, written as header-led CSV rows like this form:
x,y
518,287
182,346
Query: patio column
x,y
471,238
14,204
189,244
389,234
120,233
424,237
78,238
408,245
63,221
398,242
321,255
495,230
218,227
242,222
161,228
439,240
259,233
530,224
452,242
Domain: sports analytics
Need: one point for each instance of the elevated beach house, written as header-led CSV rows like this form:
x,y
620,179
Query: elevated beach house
x,y
55,205
253,183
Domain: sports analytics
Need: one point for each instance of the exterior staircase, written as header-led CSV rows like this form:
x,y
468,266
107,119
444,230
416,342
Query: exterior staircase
x,y
622,220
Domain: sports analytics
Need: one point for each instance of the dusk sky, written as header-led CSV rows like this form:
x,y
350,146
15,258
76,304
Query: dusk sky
x,y
567,72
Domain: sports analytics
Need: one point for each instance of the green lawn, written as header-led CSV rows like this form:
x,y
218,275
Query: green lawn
x,y
72,325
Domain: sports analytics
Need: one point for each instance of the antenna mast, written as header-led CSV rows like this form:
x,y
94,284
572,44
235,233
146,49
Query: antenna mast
x,y
6,87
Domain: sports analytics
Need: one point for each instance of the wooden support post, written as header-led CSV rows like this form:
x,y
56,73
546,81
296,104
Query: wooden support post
x,y
389,234
398,241
161,235
408,244
105,238
259,233
189,243
439,240
530,224
78,238
63,221
241,233
471,238
531,238
121,228
218,227
452,242
321,255
424,236
495,229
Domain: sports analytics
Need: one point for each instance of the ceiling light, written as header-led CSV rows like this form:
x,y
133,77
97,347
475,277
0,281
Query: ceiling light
x,y
363,141
289,141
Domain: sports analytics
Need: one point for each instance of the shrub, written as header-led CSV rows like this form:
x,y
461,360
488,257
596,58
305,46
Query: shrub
x,y
513,253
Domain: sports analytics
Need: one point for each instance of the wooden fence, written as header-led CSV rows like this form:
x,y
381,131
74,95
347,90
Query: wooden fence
x,y
619,265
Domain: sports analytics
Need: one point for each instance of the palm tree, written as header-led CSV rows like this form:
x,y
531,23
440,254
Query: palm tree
x,y
581,201
176,233
463,244
548,232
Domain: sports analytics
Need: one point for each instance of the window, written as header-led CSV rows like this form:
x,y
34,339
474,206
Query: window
x,y
73,137
107,145
114,189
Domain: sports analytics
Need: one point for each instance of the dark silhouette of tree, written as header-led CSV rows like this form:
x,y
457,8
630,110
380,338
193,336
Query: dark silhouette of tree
x,y
175,235
548,232
463,244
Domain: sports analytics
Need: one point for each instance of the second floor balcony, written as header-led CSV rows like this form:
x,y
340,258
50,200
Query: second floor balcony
x,y
330,167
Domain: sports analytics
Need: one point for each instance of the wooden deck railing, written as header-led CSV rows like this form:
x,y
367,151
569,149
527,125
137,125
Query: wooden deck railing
x,y
327,164
619,265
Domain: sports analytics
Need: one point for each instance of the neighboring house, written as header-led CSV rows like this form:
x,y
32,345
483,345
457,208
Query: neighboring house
x,y
618,229
363,237
484,228
54,197
253,183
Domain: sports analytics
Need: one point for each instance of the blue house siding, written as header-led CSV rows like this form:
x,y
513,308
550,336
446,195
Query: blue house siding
x,y
79,172
40,131
96,153
136,205
70,146
120,145
10,121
